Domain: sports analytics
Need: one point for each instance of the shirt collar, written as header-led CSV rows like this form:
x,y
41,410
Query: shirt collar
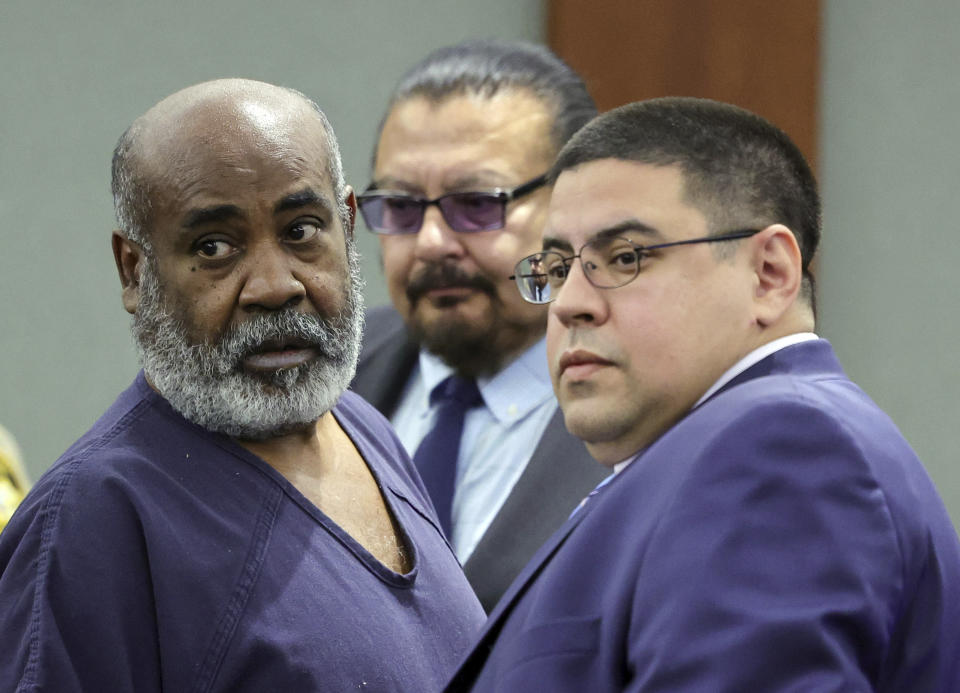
x,y
739,367
623,464
510,394
753,357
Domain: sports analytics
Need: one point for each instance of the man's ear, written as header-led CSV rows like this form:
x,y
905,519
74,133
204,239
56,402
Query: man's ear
x,y
351,202
128,255
777,266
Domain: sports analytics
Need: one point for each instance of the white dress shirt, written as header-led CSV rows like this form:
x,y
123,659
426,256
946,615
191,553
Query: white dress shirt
x,y
498,440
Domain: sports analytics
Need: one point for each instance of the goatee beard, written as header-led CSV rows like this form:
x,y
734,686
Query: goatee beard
x,y
471,347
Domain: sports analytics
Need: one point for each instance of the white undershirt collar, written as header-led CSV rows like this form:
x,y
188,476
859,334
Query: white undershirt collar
x,y
755,356
736,369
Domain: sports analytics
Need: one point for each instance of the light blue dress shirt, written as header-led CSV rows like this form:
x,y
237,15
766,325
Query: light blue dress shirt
x,y
498,438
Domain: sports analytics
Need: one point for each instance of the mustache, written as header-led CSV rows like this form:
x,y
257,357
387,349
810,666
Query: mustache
x,y
325,335
446,275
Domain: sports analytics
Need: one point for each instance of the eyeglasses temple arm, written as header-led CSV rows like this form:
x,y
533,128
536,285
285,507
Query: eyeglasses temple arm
x,y
528,187
732,236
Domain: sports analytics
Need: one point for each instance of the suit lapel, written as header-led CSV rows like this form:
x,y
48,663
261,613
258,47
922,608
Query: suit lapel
x,y
471,666
814,357
560,464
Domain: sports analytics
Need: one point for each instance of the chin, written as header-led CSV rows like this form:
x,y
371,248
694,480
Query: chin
x,y
473,309
458,321
598,427
585,422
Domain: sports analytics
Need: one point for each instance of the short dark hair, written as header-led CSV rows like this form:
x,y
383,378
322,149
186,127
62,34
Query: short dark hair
x,y
740,170
488,66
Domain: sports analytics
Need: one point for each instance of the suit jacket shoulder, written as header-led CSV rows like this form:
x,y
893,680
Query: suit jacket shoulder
x,y
783,534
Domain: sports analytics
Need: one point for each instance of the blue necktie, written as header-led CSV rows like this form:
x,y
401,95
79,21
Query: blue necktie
x,y
595,491
436,457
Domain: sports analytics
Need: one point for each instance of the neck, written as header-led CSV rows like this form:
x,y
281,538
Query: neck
x,y
302,450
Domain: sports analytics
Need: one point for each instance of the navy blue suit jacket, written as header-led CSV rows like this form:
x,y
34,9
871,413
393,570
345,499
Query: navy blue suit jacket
x,y
781,537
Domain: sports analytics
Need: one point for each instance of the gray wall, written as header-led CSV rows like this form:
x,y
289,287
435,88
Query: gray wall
x,y
74,77
890,175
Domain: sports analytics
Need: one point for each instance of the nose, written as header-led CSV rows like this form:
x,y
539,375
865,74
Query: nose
x,y
436,241
579,302
271,282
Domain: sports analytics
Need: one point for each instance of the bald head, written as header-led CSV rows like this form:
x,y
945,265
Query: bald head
x,y
225,120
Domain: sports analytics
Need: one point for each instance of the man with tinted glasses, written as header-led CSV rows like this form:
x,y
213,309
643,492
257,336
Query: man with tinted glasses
x,y
458,363
235,521
766,527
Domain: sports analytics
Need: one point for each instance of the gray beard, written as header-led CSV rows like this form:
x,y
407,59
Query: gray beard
x,y
207,384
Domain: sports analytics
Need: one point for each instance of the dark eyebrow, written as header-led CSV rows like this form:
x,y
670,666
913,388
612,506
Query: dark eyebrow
x,y
392,184
552,243
480,180
207,215
624,226
474,181
220,213
304,198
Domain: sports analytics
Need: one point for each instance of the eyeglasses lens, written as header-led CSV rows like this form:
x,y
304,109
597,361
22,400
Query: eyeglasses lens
x,y
463,212
397,214
606,262
473,211
610,262
538,275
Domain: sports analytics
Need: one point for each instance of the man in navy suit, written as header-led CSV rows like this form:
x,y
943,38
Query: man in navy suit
x,y
458,196
766,527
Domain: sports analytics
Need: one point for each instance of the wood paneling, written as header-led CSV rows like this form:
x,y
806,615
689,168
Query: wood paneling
x,y
762,55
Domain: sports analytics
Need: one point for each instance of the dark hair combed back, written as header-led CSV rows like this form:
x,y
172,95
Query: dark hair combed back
x,y
739,169
486,67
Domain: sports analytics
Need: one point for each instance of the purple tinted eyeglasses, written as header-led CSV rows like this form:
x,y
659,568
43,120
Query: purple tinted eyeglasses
x,y
391,212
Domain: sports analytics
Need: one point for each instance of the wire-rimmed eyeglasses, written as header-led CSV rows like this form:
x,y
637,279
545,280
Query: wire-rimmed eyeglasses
x,y
391,212
608,262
